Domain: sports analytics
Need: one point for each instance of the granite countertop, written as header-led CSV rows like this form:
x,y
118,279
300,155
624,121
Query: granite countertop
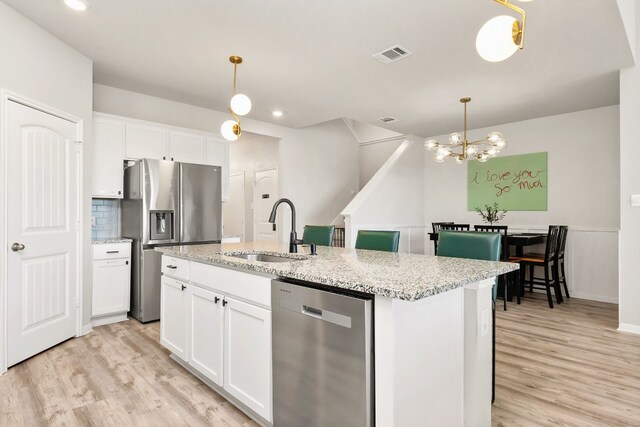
x,y
103,240
408,277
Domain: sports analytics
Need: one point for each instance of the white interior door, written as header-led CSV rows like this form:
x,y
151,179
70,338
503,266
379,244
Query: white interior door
x,y
42,230
233,210
264,196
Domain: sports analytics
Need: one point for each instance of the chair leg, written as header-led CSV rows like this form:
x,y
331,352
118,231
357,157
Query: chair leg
x,y
531,267
556,283
520,284
506,288
548,285
564,279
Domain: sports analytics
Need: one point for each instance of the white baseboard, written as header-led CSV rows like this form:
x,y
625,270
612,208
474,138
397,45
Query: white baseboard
x,y
86,329
109,318
600,298
628,327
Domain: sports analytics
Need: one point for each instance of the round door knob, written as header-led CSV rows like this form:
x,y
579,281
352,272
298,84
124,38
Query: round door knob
x,y
17,247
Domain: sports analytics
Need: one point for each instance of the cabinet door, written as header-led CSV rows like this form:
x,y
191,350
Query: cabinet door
x,y
111,286
146,141
218,155
108,156
205,326
247,358
187,147
173,316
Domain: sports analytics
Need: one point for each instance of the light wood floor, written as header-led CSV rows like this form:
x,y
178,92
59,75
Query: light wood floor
x,y
566,366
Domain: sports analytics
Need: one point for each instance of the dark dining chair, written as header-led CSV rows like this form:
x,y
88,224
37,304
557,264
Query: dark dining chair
x,y
559,262
545,261
455,227
435,227
377,240
504,253
319,234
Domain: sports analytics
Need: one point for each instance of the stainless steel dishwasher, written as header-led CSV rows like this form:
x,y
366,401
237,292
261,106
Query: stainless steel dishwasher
x,y
322,357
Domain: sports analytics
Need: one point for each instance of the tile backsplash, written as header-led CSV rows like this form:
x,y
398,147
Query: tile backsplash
x,y
107,218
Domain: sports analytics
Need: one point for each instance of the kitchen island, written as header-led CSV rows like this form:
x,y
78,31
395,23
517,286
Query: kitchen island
x,y
431,325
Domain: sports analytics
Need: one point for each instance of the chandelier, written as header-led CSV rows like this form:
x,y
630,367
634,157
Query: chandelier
x,y
461,149
240,105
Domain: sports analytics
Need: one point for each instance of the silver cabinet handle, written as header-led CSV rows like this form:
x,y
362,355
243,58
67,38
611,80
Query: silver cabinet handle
x,y
113,252
173,267
17,247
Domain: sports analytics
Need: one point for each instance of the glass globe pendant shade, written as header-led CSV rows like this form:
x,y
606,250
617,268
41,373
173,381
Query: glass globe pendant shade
x,y
471,150
443,151
438,158
459,160
230,130
501,143
494,42
431,144
493,151
494,137
455,138
240,104
482,157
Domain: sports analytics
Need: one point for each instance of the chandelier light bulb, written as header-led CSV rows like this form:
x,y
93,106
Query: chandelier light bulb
x,y
494,42
228,130
471,149
501,143
492,151
431,144
438,158
443,151
494,137
240,104
455,138
482,157
459,160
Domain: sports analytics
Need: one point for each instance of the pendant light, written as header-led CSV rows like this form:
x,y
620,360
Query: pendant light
x,y
240,105
502,36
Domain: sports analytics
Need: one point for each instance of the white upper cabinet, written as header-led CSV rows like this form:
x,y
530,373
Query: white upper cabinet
x,y
186,147
108,155
147,141
117,139
218,155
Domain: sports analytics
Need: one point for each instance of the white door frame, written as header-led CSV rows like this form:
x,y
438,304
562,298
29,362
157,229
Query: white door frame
x,y
5,97
254,182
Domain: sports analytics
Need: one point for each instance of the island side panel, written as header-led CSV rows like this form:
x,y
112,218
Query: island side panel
x,y
419,361
477,364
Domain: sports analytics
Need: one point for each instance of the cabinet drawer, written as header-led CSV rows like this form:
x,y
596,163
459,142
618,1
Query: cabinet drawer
x,y
175,267
250,287
111,250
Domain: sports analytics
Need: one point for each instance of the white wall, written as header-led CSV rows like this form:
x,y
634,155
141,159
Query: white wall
x,y
254,153
583,190
393,199
39,66
629,245
318,172
373,156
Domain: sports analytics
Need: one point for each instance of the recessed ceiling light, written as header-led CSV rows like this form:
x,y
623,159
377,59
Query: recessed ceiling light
x,y
79,5
277,113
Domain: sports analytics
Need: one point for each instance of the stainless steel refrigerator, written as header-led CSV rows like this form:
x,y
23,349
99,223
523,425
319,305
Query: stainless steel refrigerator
x,y
166,203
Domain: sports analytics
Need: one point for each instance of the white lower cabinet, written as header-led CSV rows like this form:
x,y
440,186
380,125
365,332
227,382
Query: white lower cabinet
x,y
111,278
218,325
247,358
206,326
173,316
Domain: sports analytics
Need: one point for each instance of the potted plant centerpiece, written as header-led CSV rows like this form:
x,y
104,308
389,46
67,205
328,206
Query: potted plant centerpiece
x,y
491,214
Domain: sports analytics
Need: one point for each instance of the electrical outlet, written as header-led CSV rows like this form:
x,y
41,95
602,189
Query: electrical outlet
x,y
93,221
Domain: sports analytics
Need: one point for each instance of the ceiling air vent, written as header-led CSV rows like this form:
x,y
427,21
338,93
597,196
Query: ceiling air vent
x,y
392,54
388,119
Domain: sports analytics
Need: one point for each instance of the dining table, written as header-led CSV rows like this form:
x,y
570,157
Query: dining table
x,y
517,240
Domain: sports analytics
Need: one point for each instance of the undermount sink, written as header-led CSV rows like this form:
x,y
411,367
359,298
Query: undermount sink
x,y
265,257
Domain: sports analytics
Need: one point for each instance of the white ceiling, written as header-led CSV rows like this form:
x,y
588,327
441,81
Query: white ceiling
x,y
312,59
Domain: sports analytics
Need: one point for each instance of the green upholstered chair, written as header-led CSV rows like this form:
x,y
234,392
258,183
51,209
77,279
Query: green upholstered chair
x,y
378,240
475,245
319,234
470,244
